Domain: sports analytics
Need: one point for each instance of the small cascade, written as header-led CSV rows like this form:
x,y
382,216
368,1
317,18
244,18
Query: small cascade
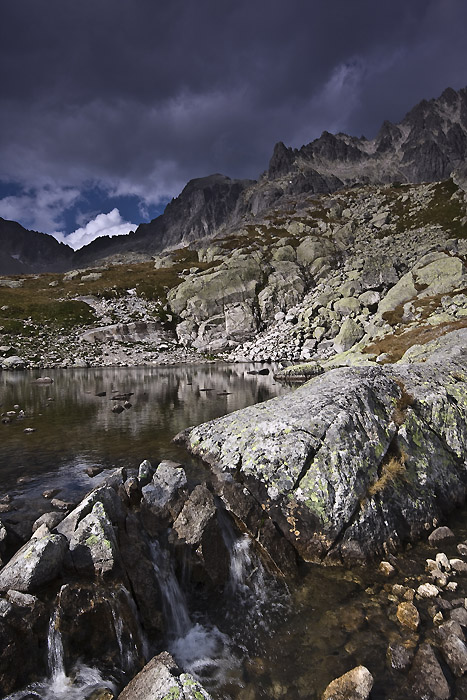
x,y
199,647
58,686
127,644
55,661
174,603
249,589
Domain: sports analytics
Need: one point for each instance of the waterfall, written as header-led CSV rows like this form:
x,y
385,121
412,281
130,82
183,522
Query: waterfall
x,y
174,603
128,652
55,651
199,647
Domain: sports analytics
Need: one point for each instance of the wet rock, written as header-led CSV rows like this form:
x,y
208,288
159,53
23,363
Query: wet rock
x,y
93,546
387,569
118,408
459,615
455,653
3,536
51,520
353,685
93,471
61,505
99,623
44,380
441,535
459,566
197,526
23,628
133,490
38,562
426,677
442,562
139,568
145,472
408,615
105,494
50,493
164,497
399,657
161,679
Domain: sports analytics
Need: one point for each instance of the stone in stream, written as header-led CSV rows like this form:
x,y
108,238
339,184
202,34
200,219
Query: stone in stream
x,y
105,494
408,615
23,628
353,685
399,656
163,498
454,651
93,546
99,622
161,679
426,678
93,471
118,408
145,472
38,562
51,519
197,525
442,535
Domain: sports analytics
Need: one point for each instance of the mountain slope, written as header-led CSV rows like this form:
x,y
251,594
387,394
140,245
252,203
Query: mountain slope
x,y
25,251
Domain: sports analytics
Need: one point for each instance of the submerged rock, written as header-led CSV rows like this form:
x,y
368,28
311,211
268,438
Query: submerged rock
x,y
353,685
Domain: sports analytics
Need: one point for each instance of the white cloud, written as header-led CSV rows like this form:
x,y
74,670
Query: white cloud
x,y
110,224
41,209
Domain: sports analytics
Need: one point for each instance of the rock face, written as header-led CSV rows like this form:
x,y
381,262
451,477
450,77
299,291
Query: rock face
x,y
354,461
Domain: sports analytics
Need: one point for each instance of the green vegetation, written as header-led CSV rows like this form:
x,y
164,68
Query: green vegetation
x,y
47,302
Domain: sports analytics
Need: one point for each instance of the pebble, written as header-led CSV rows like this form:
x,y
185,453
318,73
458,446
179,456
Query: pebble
x,y
408,615
427,590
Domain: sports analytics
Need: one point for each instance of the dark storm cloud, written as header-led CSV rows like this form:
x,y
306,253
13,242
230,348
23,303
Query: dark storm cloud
x,y
140,96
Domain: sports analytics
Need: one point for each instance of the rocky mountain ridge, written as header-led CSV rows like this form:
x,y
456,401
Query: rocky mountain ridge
x,y
426,146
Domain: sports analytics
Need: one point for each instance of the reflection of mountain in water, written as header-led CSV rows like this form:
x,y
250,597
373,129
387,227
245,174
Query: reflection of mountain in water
x,y
77,428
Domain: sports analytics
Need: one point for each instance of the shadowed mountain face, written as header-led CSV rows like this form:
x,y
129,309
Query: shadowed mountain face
x,y
24,251
203,207
426,146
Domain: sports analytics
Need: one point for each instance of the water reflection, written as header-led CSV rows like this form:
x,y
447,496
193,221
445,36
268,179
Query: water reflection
x,y
75,428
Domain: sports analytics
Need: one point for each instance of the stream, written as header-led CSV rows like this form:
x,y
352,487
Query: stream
x,y
263,638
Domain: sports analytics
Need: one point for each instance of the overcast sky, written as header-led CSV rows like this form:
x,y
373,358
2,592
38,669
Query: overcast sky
x,y
108,107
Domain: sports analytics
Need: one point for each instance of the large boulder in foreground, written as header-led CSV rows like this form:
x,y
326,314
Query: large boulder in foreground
x,y
355,461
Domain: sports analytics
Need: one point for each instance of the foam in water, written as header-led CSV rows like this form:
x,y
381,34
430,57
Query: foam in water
x,y
201,649
59,686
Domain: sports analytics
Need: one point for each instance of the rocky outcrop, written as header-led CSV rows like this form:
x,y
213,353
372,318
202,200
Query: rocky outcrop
x,y
354,462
